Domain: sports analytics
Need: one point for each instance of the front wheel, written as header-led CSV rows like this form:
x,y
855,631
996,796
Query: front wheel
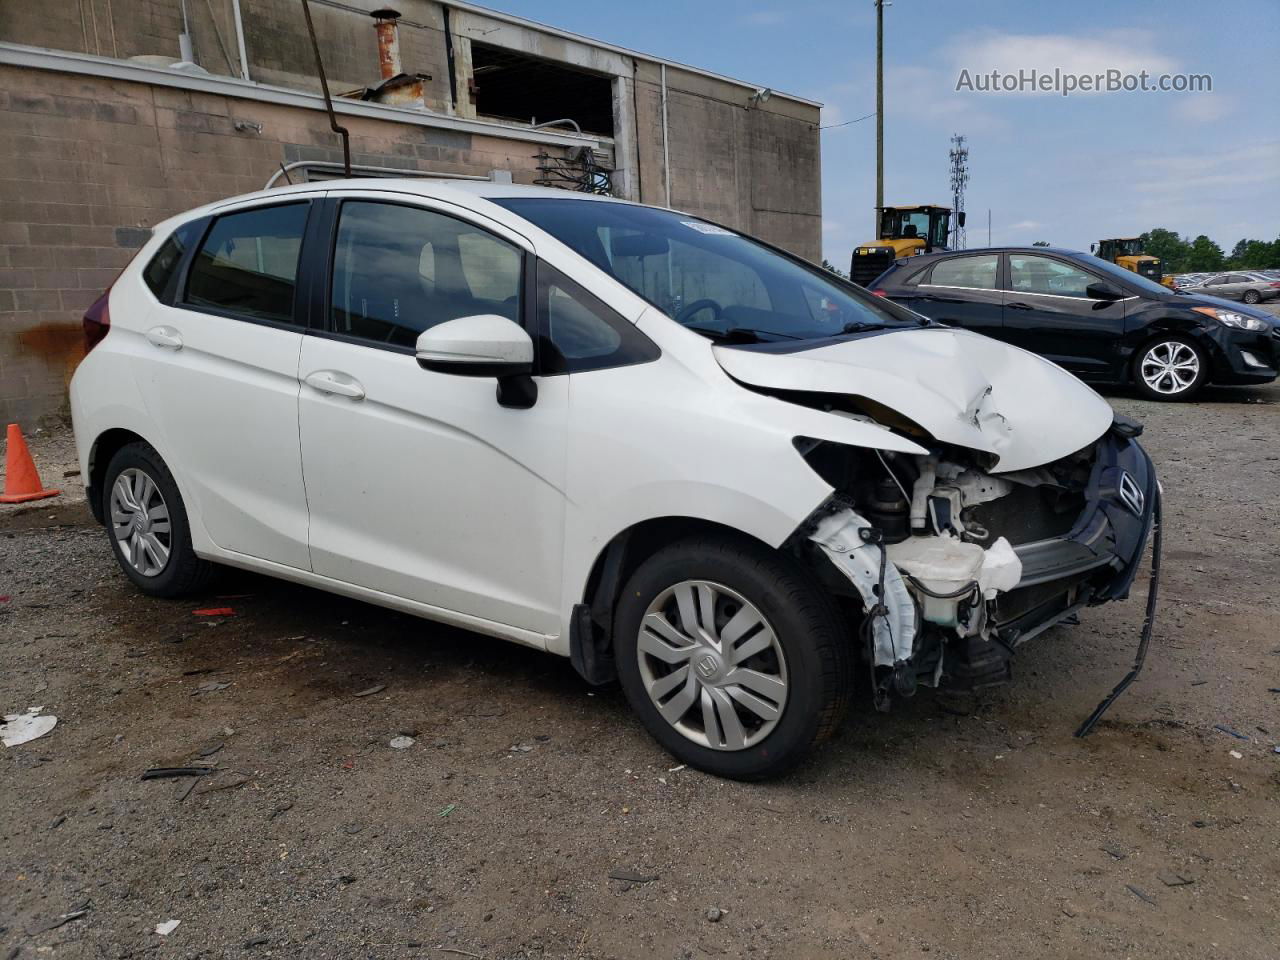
x,y
1252,296
733,659
1170,368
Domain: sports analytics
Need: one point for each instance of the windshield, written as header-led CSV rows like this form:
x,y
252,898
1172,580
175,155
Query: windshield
x,y
710,279
1109,269
899,224
1130,248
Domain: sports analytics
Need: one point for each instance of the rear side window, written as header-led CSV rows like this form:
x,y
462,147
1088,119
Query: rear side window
x,y
160,273
978,272
578,331
248,264
399,270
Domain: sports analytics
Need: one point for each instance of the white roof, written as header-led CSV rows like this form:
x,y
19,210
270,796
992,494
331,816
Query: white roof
x,y
458,191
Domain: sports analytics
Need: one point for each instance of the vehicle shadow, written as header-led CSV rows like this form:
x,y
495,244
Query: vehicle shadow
x,y
1268,394
294,652
308,647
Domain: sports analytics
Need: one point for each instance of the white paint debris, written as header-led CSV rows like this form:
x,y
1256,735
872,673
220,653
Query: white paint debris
x,y
166,928
1237,754
402,743
22,727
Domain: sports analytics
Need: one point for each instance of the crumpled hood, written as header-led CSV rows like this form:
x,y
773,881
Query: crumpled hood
x,y
964,388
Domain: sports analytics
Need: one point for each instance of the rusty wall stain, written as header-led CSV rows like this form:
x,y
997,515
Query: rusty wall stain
x,y
59,345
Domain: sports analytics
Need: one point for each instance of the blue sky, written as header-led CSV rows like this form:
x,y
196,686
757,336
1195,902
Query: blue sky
x,y
1067,170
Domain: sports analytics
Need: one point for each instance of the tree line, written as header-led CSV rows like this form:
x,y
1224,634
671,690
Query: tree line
x,y
1201,255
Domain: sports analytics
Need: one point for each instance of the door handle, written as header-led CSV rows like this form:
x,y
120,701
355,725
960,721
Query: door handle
x,y
1018,306
332,381
164,337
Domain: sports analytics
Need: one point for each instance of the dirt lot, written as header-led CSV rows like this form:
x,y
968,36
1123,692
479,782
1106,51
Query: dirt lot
x,y
939,830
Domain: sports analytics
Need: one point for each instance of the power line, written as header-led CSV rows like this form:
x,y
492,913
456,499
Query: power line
x,y
832,126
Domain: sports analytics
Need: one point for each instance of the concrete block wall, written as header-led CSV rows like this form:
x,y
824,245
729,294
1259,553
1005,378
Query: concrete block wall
x,y
88,164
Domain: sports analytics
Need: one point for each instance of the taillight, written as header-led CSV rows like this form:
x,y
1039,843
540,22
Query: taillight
x,y
878,293
97,322
1276,284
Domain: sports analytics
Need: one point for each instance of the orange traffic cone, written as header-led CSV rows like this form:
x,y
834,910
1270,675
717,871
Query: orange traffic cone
x,y
21,481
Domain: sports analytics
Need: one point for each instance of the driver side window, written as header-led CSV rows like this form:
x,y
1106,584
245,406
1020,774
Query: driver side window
x,y
398,270
1029,274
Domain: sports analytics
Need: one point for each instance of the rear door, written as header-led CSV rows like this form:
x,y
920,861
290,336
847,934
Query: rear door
x,y
1237,284
963,291
1048,311
1220,286
219,376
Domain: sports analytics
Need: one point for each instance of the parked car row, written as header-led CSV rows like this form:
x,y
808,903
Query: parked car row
x,y
1251,286
1103,323
1246,286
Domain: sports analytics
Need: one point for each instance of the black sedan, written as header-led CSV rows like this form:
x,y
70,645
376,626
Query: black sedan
x,y
1103,323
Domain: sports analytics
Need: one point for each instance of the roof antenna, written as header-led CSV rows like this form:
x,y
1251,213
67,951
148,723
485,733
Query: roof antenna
x,y
328,101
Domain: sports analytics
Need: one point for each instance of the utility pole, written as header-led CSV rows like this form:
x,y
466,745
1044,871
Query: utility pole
x,y
880,5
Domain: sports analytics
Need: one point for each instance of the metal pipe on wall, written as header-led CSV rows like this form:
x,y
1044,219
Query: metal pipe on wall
x,y
244,57
666,152
185,50
388,42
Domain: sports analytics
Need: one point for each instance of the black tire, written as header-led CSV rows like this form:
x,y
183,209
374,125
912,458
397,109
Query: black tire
x,y
1251,296
808,627
183,572
1170,341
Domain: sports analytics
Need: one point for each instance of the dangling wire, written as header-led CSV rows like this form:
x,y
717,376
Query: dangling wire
x,y
1153,588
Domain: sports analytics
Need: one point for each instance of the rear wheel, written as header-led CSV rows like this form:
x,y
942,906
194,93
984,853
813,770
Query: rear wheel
x,y
147,523
1170,368
1252,296
735,662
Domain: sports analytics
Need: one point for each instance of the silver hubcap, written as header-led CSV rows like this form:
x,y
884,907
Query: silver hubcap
x,y
140,522
712,665
1170,367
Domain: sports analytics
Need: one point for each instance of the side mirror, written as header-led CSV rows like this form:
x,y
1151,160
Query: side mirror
x,y
1093,248
485,345
960,218
1103,291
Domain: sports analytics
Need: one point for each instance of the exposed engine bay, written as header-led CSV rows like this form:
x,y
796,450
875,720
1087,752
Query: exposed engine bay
x,y
951,566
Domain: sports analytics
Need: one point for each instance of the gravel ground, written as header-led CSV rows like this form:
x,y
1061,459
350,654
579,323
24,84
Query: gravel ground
x,y
532,817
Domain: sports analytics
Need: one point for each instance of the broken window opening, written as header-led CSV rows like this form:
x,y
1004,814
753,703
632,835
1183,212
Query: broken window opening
x,y
509,85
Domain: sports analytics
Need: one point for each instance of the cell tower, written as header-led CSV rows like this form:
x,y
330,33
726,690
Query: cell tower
x,y
959,179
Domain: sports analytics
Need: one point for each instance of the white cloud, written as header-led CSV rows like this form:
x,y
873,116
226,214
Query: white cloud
x,y
1129,51
1185,173
1202,107
928,95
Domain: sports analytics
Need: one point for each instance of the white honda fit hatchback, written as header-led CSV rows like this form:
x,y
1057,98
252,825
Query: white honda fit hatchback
x,y
682,458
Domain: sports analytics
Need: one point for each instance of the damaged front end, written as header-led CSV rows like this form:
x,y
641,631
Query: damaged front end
x,y
951,566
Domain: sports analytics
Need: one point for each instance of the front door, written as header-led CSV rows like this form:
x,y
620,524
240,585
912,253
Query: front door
x,y
1048,311
219,375
420,485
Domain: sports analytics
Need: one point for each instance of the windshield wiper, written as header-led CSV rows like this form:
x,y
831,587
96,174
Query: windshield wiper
x,y
744,334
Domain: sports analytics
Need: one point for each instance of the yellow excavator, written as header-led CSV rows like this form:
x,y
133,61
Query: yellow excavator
x,y
1127,252
905,231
